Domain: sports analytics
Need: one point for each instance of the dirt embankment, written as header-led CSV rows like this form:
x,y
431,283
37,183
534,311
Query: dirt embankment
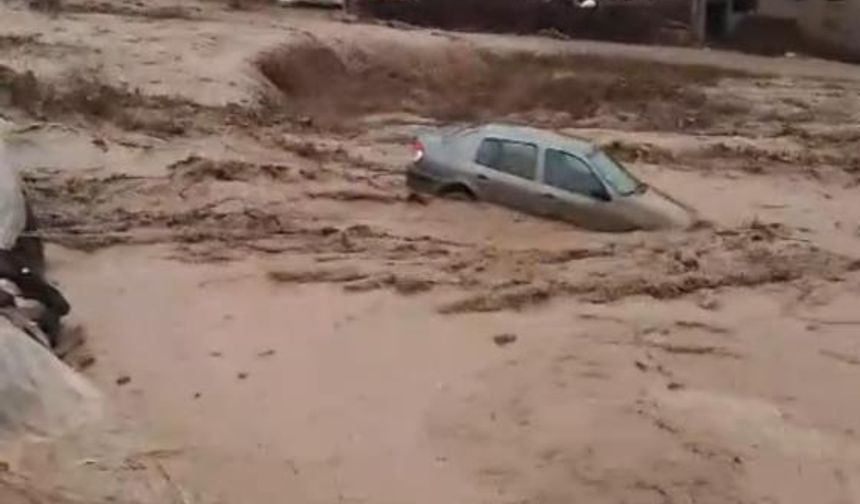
x,y
83,96
461,83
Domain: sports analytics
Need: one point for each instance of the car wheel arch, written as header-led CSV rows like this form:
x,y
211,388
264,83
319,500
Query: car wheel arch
x,y
454,189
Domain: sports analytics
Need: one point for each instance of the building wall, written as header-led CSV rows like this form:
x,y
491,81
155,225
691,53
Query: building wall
x,y
641,21
834,23
783,9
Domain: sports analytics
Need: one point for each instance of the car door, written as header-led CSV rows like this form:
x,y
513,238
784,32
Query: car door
x,y
574,193
506,173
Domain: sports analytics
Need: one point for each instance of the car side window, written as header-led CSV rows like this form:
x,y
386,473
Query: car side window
x,y
568,172
516,158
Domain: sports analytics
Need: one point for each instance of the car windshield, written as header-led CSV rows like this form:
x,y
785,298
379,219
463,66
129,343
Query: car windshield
x,y
616,175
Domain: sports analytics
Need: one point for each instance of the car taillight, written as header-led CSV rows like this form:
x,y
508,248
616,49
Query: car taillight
x,y
417,151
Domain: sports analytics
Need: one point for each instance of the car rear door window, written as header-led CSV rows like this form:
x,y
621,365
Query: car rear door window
x,y
564,171
516,158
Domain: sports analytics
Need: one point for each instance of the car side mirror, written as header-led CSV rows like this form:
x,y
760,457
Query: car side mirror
x,y
600,194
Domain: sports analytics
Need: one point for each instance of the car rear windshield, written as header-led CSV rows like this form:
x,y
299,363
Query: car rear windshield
x,y
613,173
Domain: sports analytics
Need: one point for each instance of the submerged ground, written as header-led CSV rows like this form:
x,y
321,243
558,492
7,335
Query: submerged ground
x,y
224,192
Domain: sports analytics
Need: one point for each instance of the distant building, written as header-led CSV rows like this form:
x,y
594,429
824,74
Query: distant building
x,y
762,26
718,19
832,25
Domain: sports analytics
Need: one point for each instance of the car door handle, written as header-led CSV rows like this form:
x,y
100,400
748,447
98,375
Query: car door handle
x,y
481,176
548,196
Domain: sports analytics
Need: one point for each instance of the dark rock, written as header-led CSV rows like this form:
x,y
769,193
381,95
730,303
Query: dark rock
x,y
504,339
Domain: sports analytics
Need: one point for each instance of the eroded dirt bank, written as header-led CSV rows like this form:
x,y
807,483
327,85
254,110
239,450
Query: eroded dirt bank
x,y
266,301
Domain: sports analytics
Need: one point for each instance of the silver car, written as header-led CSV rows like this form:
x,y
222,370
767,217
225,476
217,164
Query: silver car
x,y
541,173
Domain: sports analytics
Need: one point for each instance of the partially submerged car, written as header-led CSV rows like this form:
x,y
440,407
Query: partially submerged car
x,y
542,173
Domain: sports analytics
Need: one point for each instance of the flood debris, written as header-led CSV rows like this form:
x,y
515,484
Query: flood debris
x,y
504,339
85,362
38,393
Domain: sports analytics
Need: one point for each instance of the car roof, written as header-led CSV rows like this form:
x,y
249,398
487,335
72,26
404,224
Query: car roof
x,y
534,135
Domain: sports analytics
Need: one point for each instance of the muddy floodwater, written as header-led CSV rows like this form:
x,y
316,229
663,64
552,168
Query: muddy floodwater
x,y
278,320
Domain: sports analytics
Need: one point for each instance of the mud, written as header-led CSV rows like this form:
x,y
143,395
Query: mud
x,y
199,201
154,13
242,195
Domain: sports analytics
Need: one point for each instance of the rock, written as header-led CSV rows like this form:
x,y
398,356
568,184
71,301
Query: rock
x,y
310,3
553,33
707,301
123,380
687,259
406,285
69,339
345,242
39,394
100,143
416,198
85,362
504,339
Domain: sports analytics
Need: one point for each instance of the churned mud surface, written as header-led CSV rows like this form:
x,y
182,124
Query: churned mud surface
x,y
224,192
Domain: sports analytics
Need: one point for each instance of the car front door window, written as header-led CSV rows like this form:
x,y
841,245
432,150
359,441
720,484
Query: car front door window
x,y
515,158
567,172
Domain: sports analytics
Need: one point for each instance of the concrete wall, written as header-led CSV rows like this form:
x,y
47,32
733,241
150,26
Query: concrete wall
x,y
641,21
834,23
783,9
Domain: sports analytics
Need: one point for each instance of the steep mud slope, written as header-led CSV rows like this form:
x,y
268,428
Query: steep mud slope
x,y
464,83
